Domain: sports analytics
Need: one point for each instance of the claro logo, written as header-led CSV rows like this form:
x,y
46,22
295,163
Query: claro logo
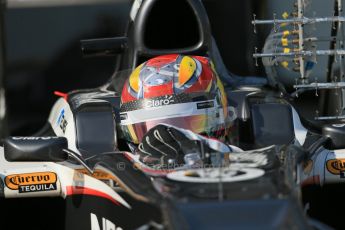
x,y
336,166
167,100
32,182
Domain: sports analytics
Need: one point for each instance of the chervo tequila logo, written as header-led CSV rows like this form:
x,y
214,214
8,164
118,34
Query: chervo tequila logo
x,y
32,182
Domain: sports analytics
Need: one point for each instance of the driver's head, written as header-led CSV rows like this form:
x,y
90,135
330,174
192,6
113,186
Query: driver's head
x,y
182,91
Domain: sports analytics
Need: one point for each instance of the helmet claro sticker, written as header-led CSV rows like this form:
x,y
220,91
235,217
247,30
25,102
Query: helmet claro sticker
x,y
336,166
32,182
166,100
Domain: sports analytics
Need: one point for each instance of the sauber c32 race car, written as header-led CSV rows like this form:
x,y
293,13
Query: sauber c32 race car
x,y
74,175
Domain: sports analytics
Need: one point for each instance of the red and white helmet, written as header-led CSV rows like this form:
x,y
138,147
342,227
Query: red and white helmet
x,y
183,91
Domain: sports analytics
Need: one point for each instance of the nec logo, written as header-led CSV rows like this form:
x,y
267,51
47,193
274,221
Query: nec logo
x,y
106,224
167,100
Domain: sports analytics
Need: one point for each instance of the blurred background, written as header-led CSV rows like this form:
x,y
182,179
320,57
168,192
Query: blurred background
x,y
42,48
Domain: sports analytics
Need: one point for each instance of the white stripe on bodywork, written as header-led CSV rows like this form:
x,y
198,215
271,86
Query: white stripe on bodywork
x,y
299,130
135,8
2,104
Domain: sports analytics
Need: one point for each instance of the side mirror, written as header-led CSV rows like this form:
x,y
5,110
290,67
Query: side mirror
x,y
35,149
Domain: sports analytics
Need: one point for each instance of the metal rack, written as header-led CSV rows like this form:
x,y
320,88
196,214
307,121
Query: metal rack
x,y
300,53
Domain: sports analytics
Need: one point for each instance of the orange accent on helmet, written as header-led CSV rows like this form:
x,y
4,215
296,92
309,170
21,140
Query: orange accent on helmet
x,y
187,69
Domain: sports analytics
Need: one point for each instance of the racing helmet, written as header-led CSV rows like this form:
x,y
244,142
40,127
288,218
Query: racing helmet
x,y
183,91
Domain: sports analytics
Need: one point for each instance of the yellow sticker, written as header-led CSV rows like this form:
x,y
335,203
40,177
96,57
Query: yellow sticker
x,y
285,42
285,64
287,50
285,15
286,33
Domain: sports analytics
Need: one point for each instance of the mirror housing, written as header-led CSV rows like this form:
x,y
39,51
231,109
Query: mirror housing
x,y
35,149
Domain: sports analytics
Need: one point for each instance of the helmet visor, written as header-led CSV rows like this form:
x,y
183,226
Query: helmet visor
x,y
199,117
196,123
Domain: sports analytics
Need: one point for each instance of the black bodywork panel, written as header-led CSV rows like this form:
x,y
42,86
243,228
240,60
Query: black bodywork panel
x,y
264,118
74,213
186,205
95,127
249,214
35,149
336,135
96,118
272,124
